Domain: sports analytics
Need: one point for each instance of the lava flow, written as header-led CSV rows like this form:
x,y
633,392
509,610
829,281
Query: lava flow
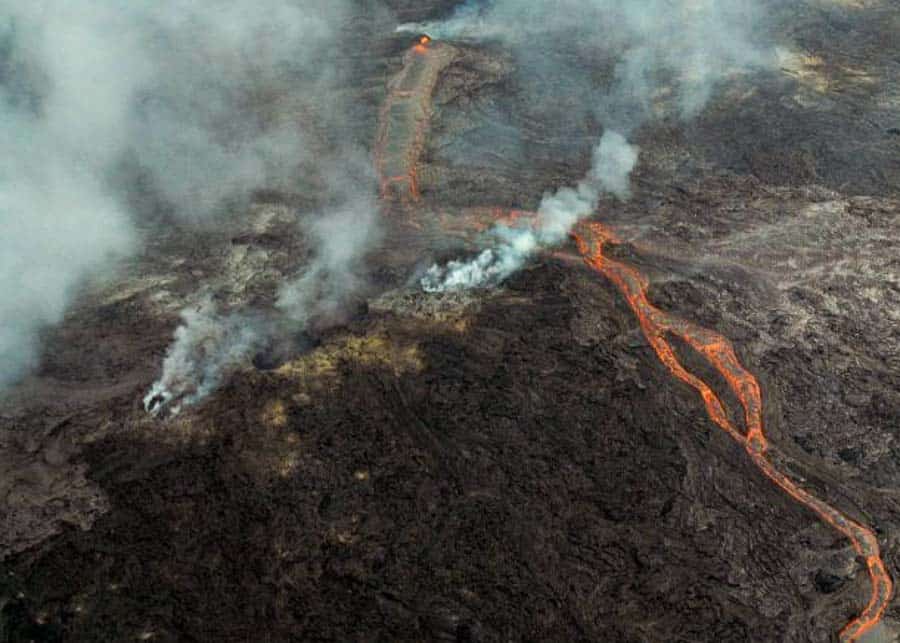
x,y
405,117
719,353
403,125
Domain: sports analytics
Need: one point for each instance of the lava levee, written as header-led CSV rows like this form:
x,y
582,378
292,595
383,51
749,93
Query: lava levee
x,y
402,130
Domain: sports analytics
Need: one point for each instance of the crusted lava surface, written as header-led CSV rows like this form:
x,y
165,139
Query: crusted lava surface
x,y
511,464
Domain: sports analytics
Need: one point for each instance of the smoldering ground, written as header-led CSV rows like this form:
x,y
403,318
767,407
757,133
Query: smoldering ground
x,y
196,103
211,342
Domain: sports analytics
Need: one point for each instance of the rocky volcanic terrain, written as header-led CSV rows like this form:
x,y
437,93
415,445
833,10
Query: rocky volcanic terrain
x,y
509,464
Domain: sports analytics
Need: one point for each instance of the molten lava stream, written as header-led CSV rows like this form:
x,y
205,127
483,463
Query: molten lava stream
x,y
719,353
405,117
402,128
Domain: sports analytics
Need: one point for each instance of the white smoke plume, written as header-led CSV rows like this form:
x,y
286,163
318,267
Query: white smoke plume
x,y
491,266
208,346
668,55
94,94
559,211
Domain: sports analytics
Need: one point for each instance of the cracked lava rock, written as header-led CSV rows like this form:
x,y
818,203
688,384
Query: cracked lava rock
x,y
511,464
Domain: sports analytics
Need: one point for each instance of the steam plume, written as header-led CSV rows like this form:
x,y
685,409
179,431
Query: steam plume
x,y
614,158
342,236
96,93
668,56
208,345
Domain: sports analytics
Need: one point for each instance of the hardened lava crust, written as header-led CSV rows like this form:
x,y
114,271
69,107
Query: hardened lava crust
x,y
507,464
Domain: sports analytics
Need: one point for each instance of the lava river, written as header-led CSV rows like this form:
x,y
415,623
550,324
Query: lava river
x,y
719,353
401,136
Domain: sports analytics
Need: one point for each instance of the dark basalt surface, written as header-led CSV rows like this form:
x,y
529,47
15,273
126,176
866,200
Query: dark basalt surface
x,y
506,465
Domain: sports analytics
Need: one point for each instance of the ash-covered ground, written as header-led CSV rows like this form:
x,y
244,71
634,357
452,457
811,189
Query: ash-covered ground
x,y
503,464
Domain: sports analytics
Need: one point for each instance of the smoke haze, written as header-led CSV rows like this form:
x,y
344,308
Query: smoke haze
x,y
666,58
341,235
195,99
95,94
654,44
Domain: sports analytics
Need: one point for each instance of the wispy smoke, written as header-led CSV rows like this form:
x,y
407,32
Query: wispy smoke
x,y
196,97
667,56
342,235
60,130
614,158
207,347
685,45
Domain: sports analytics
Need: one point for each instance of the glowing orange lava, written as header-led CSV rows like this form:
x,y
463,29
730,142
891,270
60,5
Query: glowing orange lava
x,y
402,129
719,353
405,117
421,44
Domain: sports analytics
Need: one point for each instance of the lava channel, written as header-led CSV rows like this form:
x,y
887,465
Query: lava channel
x,y
403,126
719,353
405,117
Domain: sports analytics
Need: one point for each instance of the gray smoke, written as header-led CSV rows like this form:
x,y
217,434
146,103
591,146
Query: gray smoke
x,y
206,125
61,128
196,97
342,235
687,46
207,347
342,238
667,58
